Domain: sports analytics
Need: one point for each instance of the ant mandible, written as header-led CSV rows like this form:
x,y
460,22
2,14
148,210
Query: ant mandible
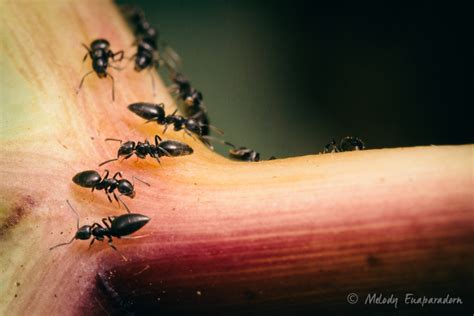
x,y
92,179
119,227
170,148
100,53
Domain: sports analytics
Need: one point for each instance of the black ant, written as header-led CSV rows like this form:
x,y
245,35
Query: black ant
x,y
170,148
243,153
156,112
142,28
191,97
92,179
119,227
147,55
100,54
348,143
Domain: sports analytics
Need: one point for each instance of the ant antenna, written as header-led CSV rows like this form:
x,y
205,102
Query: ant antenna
x,y
63,244
113,86
135,178
152,82
215,129
77,216
126,207
113,139
107,161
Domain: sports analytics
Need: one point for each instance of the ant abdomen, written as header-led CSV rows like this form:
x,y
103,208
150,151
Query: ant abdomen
x,y
148,111
87,179
174,148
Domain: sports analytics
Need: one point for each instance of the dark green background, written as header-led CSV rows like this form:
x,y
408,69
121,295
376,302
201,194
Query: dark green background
x,y
285,77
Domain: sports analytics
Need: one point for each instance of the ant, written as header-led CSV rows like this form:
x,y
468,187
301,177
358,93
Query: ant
x,y
170,148
142,28
348,143
100,53
92,179
147,55
244,153
191,97
156,112
119,227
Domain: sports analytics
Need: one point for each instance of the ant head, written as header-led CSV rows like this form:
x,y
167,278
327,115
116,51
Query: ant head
x,y
126,188
193,126
142,61
100,44
126,148
84,232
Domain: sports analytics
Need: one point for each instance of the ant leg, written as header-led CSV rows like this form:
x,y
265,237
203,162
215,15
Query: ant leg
x,y
165,152
121,53
113,85
205,140
115,248
116,68
88,52
186,132
104,220
92,241
157,140
136,237
118,173
82,81
106,174
152,82
215,129
166,127
108,195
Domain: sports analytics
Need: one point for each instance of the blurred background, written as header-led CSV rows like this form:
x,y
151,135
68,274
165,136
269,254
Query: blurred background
x,y
286,77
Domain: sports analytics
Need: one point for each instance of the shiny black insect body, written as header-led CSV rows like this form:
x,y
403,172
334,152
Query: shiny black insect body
x,y
142,29
92,179
170,148
192,98
100,53
348,143
243,153
156,112
118,227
